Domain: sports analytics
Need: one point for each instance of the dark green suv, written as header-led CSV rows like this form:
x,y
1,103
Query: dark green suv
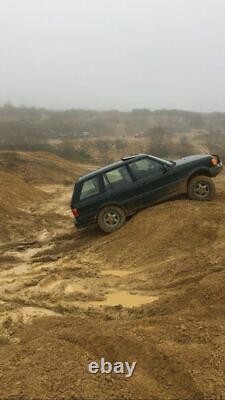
x,y
109,195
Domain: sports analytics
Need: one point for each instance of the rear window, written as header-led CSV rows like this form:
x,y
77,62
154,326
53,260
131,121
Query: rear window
x,y
117,178
90,188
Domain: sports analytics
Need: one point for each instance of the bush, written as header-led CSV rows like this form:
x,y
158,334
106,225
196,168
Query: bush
x,y
162,145
102,145
120,144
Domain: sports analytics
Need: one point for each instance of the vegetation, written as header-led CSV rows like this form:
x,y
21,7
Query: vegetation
x,y
74,123
84,136
216,143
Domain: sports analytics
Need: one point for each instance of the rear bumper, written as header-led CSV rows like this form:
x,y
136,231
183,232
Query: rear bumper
x,y
83,224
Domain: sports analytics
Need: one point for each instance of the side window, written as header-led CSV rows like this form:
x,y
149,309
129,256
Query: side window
x,y
90,188
144,168
117,177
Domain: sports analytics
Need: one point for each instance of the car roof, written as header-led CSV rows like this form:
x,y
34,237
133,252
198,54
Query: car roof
x,y
107,168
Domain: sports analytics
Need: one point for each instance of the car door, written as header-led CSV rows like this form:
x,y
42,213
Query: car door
x,y
121,188
156,181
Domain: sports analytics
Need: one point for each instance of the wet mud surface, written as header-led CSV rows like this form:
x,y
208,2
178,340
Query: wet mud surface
x,y
152,293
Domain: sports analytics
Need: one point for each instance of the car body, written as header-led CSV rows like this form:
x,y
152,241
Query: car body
x,y
136,182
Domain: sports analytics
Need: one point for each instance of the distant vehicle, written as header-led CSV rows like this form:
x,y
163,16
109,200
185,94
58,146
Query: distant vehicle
x,y
139,135
110,194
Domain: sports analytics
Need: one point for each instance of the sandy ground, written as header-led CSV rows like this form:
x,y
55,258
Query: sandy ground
x,y
41,278
154,293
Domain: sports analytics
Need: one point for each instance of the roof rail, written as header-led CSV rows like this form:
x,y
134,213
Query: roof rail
x,y
128,158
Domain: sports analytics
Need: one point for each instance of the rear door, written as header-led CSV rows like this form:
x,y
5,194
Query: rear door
x,y
121,188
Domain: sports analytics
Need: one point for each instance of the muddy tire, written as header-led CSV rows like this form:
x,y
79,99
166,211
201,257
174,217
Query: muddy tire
x,y
111,218
201,188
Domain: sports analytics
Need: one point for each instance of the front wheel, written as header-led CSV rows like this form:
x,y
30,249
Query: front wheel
x,y
111,218
201,188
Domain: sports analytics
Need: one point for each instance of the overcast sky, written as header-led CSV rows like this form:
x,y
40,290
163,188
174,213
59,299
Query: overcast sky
x,y
113,54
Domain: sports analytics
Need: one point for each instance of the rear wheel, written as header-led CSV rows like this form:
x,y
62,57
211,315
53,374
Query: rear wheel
x,y
111,218
201,188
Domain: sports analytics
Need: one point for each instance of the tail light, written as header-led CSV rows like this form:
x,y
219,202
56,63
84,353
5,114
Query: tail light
x,y
214,160
75,212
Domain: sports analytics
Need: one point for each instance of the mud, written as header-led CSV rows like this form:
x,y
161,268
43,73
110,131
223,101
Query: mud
x,y
155,296
114,272
124,299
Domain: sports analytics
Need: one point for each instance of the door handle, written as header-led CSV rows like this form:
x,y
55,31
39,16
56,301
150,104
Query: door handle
x,y
143,183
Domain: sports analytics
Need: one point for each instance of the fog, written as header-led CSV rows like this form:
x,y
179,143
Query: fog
x,y
111,54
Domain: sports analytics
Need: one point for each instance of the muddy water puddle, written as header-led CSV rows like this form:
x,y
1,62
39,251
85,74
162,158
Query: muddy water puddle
x,y
123,298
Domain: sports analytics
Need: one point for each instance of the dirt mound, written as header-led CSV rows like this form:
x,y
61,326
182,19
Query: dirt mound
x,y
41,168
16,199
28,190
16,193
172,229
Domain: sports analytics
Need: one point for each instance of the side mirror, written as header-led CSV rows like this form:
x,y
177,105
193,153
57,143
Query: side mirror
x,y
165,168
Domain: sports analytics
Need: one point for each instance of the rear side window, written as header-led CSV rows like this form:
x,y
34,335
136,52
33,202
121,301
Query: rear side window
x,y
117,178
144,167
90,188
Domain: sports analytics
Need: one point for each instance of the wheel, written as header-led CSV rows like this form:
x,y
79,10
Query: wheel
x,y
111,218
201,188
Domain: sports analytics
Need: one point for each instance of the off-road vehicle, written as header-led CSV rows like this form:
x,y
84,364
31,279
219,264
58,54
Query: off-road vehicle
x,y
109,195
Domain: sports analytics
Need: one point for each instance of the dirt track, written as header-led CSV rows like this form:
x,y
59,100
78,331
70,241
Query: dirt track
x,y
154,293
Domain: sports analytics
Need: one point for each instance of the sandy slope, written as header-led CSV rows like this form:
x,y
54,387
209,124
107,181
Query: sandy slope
x,y
24,203
41,167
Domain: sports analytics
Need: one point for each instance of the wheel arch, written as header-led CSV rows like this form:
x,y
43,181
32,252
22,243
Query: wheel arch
x,y
112,203
199,172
